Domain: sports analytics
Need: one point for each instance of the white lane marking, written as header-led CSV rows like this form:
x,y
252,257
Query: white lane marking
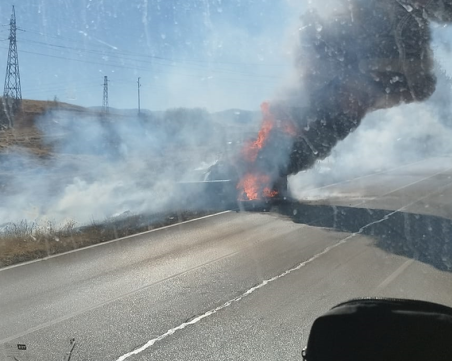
x,y
195,320
112,241
226,304
394,275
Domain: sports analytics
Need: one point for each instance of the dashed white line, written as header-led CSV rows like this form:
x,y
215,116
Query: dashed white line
x,y
196,319
226,304
394,275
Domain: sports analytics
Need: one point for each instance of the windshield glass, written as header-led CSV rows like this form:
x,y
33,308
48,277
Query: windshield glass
x,y
201,179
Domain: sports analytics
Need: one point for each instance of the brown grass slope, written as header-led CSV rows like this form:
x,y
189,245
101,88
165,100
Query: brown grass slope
x,y
25,135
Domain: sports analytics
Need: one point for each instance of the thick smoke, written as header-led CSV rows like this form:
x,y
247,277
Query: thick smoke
x,y
361,57
386,139
86,167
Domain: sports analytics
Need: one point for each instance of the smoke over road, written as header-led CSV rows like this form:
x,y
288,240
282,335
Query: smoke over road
x,y
353,57
102,167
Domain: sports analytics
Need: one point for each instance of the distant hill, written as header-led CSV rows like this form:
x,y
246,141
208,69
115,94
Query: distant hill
x,y
127,112
229,116
32,109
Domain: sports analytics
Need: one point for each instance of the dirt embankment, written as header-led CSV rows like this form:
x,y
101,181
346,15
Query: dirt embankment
x,y
26,135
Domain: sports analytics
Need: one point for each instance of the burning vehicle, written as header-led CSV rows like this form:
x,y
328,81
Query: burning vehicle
x,y
375,55
255,173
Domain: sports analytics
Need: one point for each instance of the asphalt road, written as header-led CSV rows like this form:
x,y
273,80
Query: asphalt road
x,y
237,286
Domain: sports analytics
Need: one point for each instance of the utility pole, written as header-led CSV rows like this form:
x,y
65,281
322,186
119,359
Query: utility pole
x,y
12,93
139,105
105,103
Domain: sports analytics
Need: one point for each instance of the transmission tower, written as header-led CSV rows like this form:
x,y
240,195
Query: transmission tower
x,y
12,94
105,103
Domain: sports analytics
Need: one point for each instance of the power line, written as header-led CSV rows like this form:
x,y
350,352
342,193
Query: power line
x,y
77,87
156,61
122,66
230,79
59,87
198,65
127,53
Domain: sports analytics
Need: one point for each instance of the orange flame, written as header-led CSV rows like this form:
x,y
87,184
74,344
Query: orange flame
x,y
253,185
251,149
256,186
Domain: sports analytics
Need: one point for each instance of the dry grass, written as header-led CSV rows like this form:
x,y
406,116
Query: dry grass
x,y
27,241
25,135
32,109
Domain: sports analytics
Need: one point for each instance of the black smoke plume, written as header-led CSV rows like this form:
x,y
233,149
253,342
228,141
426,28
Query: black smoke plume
x,y
364,56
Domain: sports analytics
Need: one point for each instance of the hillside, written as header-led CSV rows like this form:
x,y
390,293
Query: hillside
x,y
26,136
32,109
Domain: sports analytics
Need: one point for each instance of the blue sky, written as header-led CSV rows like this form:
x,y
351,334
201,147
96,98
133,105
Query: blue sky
x,y
217,54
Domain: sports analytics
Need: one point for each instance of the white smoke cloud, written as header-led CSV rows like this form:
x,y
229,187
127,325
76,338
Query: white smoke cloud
x,y
386,139
101,168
